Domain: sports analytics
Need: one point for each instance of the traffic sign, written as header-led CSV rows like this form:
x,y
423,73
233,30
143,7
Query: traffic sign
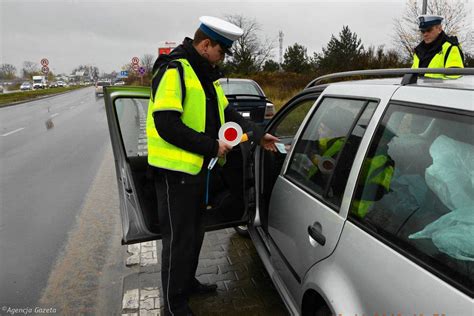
x,y
141,71
231,133
135,60
124,74
135,67
45,69
44,62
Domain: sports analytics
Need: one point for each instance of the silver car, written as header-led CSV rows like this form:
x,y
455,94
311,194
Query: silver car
x,y
367,208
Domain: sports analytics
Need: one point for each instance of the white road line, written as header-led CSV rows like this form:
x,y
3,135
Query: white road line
x,y
17,130
54,115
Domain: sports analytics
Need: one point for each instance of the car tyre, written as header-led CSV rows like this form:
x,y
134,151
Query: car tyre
x,y
242,231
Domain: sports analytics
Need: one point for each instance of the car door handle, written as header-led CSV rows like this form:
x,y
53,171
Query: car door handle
x,y
314,232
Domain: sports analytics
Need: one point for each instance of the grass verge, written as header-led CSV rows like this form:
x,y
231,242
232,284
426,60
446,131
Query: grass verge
x,y
8,98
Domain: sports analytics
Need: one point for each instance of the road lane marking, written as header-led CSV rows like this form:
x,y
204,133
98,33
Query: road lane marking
x,y
54,115
17,130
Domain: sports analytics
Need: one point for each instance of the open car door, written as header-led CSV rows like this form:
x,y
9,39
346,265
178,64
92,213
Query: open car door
x,y
126,109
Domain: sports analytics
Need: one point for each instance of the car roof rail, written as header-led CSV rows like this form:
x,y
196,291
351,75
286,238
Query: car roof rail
x,y
410,75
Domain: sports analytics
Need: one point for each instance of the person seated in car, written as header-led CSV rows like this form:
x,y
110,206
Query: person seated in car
x,y
375,176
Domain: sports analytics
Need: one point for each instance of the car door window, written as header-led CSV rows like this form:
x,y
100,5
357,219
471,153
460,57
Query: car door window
x,y
288,126
415,189
131,114
318,149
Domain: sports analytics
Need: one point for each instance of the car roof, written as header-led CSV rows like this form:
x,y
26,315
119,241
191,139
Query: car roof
x,y
453,93
411,77
465,82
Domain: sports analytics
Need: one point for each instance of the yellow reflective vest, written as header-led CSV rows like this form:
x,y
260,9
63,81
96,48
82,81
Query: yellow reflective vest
x,y
168,97
375,178
448,57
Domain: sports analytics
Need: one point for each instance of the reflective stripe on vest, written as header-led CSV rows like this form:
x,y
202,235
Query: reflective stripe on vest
x,y
378,171
453,60
168,97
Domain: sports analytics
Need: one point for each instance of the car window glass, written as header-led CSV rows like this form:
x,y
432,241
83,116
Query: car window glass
x,y
239,87
288,126
316,151
416,189
335,190
131,114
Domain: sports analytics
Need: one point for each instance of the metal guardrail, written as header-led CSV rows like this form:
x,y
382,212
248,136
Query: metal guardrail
x,y
410,75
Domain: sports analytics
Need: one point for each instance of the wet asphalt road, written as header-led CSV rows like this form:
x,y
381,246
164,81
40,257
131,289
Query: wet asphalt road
x,y
50,151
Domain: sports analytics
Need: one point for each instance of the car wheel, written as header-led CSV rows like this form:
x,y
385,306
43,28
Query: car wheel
x,y
242,231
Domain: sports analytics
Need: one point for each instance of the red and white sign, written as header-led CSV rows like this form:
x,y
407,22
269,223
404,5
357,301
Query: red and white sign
x,y
135,60
45,70
164,50
165,47
44,62
135,67
231,133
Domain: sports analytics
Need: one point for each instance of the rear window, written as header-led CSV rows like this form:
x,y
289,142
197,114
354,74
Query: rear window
x,y
102,84
240,87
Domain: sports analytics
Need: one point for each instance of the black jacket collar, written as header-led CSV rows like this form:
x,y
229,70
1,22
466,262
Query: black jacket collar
x,y
426,52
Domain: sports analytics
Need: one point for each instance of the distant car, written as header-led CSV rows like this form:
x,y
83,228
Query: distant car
x,y
26,86
119,83
99,87
53,84
61,84
248,98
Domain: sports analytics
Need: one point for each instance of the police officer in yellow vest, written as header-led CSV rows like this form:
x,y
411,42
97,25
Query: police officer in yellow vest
x,y
186,109
437,50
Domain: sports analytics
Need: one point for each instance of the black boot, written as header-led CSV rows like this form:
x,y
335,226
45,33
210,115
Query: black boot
x,y
200,288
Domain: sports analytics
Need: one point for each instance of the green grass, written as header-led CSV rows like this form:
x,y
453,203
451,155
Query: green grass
x,y
7,98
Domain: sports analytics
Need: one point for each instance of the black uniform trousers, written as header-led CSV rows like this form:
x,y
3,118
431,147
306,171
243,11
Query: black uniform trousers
x,y
181,203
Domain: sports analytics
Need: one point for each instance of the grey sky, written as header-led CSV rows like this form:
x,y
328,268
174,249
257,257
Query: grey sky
x,y
107,34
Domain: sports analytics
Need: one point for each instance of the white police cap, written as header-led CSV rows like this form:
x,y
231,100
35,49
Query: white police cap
x,y
425,21
223,32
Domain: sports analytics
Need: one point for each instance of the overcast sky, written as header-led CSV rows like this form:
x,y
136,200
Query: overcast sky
x,y
107,34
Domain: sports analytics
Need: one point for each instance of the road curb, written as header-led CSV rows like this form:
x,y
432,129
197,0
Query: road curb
x,y
38,98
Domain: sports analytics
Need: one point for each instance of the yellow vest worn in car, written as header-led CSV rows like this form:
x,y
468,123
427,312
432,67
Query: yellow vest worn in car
x,y
168,97
376,176
329,148
448,57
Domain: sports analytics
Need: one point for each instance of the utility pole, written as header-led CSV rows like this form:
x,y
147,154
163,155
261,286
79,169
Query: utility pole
x,y
280,38
423,8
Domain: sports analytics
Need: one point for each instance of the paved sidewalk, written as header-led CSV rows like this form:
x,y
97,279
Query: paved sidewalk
x,y
228,260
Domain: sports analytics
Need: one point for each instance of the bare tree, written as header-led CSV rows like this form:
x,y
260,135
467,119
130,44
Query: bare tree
x,y
7,71
407,35
250,52
147,62
30,69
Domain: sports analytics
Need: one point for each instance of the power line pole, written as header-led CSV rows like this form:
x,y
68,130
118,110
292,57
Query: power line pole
x,y
423,8
280,37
